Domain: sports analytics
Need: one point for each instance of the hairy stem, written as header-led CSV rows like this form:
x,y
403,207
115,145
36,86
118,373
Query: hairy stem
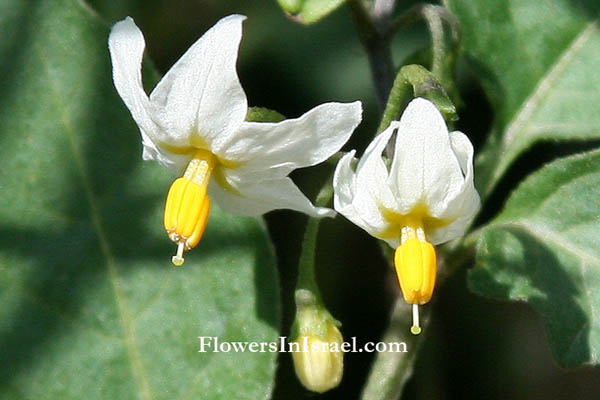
x,y
391,370
306,264
372,29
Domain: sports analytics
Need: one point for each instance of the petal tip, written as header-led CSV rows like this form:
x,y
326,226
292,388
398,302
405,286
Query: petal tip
x,y
126,25
240,17
355,108
343,163
357,105
124,36
422,108
233,19
322,212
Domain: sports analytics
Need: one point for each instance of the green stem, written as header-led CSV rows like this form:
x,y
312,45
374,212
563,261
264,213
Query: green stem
x,y
391,370
443,59
306,265
372,31
438,44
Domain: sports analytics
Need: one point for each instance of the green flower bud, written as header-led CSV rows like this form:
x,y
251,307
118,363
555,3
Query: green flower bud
x,y
290,6
319,363
317,349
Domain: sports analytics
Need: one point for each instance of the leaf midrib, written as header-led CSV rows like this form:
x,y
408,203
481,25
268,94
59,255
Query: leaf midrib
x,y
522,118
133,354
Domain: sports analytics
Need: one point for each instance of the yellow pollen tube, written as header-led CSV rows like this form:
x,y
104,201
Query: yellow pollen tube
x,y
188,206
416,269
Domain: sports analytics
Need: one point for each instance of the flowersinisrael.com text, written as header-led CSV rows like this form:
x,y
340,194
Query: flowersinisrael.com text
x,y
212,344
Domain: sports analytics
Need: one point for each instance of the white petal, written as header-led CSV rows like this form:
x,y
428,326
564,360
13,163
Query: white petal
x,y
372,174
425,168
344,190
126,45
360,196
343,183
463,149
201,95
294,143
175,162
466,204
362,214
253,199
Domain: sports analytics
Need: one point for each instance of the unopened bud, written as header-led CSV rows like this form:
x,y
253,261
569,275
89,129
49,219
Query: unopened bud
x,y
319,363
291,6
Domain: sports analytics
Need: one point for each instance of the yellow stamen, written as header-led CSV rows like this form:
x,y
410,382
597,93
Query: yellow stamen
x,y
187,206
416,268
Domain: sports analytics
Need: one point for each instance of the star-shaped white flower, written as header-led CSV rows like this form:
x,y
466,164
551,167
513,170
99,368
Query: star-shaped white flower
x,y
426,197
194,121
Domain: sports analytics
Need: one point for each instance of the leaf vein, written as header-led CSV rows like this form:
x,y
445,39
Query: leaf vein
x,y
530,105
584,257
126,322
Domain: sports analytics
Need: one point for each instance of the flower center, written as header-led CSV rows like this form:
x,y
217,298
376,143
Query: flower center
x,y
187,206
416,267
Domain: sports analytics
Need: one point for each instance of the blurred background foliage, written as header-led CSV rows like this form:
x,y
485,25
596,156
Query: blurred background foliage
x,y
474,348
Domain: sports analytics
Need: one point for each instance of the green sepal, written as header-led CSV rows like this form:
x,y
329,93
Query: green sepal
x,y
261,114
311,316
309,11
423,84
291,6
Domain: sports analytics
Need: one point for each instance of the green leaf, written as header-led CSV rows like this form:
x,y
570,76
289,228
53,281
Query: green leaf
x,y
544,248
90,306
538,63
309,11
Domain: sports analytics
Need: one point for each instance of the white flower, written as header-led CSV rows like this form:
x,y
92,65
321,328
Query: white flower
x,y
195,117
425,197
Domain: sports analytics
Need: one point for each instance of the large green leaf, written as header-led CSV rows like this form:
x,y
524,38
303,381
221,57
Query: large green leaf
x,y
538,63
90,307
544,248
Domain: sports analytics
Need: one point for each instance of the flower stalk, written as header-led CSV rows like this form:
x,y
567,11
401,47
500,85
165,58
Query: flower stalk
x,y
318,367
372,30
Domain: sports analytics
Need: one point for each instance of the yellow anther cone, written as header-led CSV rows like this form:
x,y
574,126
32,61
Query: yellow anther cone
x,y
172,204
188,206
200,226
190,209
416,268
